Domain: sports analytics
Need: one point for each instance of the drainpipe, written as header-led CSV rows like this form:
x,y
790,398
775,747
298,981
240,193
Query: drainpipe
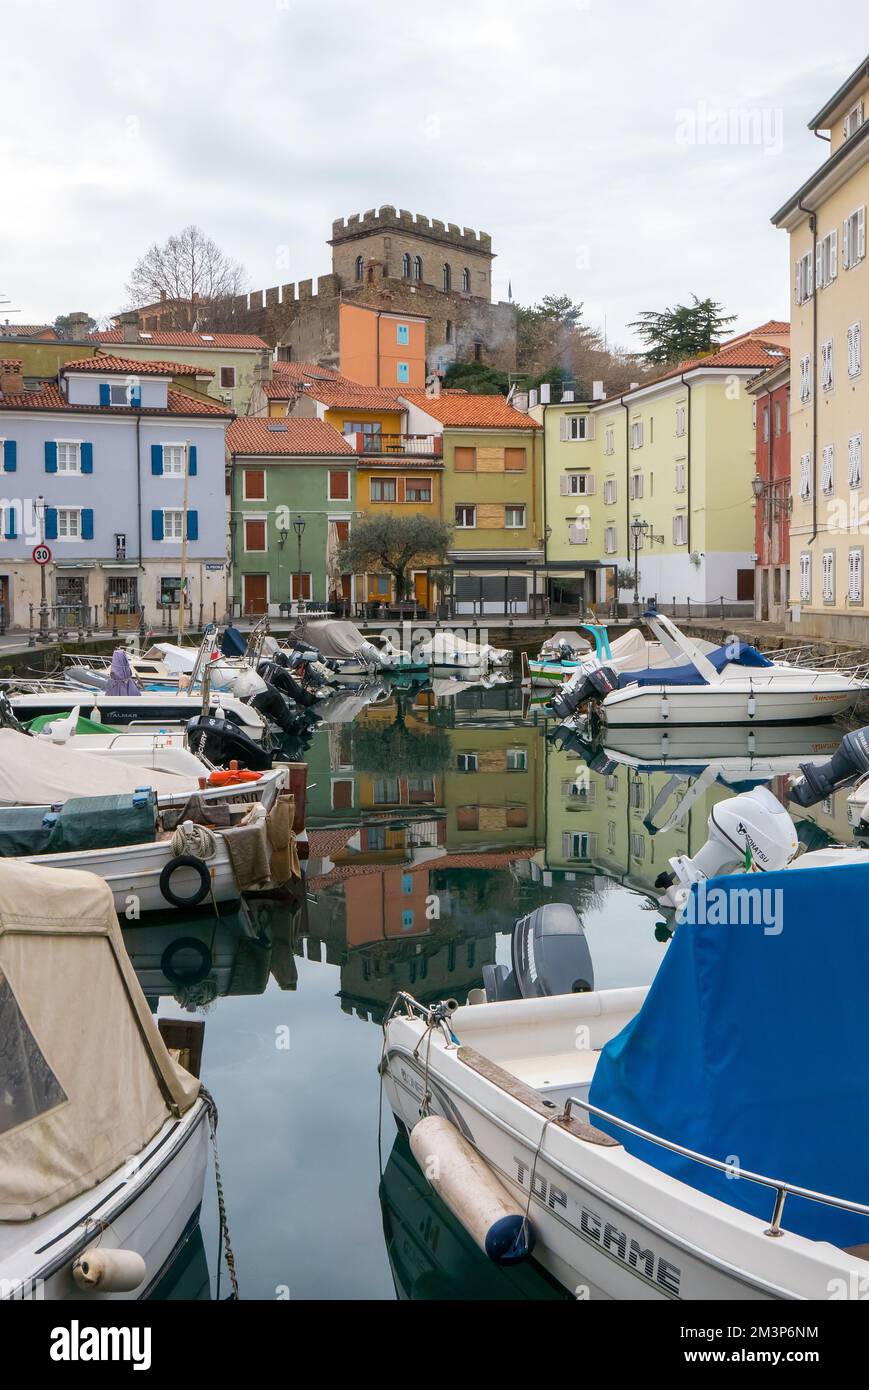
x,y
139,490
627,410
813,227
687,386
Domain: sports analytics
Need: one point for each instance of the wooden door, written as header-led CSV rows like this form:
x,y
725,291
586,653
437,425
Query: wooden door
x,y
420,588
256,595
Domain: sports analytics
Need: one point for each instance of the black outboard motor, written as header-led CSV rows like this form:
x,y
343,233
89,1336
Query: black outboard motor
x,y
281,679
850,761
596,686
550,956
220,740
271,703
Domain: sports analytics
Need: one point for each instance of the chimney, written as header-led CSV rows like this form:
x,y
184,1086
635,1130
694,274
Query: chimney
x,y
597,391
433,386
520,401
129,324
545,393
11,380
78,327
633,386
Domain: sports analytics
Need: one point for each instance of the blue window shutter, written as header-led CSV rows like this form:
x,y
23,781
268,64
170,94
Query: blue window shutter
x,y
10,523
87,458
156,525
136,395
157,459
51,523
193,526
50,456
10,455
105,393
191,461
87,524
403,374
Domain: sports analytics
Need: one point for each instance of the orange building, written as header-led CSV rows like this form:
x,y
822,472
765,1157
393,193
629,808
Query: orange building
x,y
377,348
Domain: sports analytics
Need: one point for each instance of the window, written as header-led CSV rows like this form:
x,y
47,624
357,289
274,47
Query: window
x,y
610,492
514,460
170,590
805,378
514,518
680,421
360,267
402,334
577,484
300,590
517,759
447,278
342,793
253,484
339,485
855,574
417,490
855,461
467,817
448,331
637,434
579,844
385,791
855,349
577,427
828,576
466,518
609,540
402,372
227,378
417,267
638,845
609,444
636,794
478,351
173,460
405,265
827,469
804,278
254,534
383,490
28,1086
120,545
680,529
579,790
465,460
765,423
466,281
578,533
827,260
805,578
827,364
777,418
636,486
371,434
805,476
122,394
466,762
68,457
173,525
854,238
853,121
679,484
69,523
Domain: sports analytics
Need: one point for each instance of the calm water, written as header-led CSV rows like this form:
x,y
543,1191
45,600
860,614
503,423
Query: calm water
x,y
436,820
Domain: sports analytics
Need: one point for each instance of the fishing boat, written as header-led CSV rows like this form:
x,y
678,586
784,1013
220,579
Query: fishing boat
x,y
103,1134
612,1117
557,661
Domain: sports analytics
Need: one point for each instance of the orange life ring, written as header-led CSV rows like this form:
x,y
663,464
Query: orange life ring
x,y
232,776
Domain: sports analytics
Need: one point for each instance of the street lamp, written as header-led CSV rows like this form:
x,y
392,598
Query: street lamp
x,y
39,508
639,531
299,527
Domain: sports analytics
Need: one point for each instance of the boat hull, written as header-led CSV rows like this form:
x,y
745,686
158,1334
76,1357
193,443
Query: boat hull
x,y
133,874
641,706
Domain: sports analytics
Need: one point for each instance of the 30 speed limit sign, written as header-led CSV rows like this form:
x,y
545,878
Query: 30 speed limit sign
x,y
41,554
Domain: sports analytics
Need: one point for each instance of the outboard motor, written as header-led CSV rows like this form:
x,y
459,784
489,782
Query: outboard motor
x,y
281,679
595,685
271,703
753,828
550,956
849,762
220,740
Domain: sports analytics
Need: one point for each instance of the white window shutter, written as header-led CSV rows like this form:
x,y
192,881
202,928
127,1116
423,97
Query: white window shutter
x,y
861,233
590,485
564,427
846,243
834,253
565,485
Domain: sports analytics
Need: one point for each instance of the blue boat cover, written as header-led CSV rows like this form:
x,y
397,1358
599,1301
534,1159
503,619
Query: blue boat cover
x,y
751,1047
734,653
232,643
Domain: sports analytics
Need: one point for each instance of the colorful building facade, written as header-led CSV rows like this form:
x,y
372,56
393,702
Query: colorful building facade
x,y
772,491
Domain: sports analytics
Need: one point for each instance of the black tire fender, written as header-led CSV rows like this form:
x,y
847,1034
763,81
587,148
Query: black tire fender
x,y
187,861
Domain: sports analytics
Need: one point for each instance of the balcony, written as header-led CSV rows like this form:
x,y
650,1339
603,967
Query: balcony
x,y
397,445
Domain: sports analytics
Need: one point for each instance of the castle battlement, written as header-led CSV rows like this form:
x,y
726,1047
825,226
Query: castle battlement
x,y
388,219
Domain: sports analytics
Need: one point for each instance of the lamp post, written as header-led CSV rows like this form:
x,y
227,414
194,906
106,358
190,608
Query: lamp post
x,y
299,528
639,531
283,533
39,508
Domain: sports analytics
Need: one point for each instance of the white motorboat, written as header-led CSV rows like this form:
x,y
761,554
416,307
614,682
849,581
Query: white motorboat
x,y
149,711
352,657
558,660
103,1135
733,684
448,650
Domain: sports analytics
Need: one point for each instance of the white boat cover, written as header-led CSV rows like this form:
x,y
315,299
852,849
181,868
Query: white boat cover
x,y
446,647
177,660
333,637
85,1078
573,639
36,772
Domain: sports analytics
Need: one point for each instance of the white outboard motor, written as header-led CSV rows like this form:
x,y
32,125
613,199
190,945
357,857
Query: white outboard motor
x,y
371,655
751,830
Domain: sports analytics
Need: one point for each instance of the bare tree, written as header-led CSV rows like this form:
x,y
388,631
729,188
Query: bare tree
x,y
190,269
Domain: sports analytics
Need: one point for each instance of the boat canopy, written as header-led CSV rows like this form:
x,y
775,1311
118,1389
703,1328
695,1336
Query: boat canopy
x,y
733,654
333,637
85,1078
572,639
752,1042
37,772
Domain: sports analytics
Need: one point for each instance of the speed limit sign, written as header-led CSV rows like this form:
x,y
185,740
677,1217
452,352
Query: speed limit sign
x,y
41,554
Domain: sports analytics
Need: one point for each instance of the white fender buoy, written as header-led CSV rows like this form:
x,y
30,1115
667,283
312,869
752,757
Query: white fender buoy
x,y
466,1184
100,1270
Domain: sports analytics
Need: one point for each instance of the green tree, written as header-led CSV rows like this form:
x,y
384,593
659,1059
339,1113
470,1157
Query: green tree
x,y
476,377
686,330
395,543
414,748
62,325
544,329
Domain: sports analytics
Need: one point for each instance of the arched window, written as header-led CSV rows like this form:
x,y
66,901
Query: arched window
x,y
466,281
417,268
448,279
360,267
405,265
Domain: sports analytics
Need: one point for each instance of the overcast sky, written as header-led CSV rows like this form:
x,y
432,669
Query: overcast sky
x,y
584,135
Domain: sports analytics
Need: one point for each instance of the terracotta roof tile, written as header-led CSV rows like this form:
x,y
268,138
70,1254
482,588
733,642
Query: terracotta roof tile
x,y
350,395
464,411
52,398
182,339
744,352
10,364
297,371
27,330
255,434
105,362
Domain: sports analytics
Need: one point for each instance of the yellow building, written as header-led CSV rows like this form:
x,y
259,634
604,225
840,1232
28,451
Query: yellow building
x,y
826,222
493,791
668,466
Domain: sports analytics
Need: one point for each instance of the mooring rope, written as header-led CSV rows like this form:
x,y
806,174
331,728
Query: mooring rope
x,y
224,1247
